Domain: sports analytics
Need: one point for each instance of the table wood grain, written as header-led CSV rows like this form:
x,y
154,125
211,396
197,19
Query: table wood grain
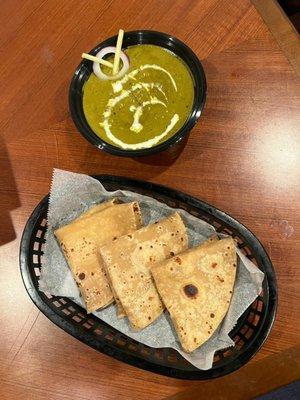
x,y
242,157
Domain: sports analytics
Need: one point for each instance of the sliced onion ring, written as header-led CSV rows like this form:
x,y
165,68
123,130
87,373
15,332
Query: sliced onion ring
x,y
97,67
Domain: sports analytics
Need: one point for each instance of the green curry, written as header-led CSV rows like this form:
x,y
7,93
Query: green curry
x,y
147,105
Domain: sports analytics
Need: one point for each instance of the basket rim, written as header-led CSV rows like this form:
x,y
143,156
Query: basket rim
x,y
110,349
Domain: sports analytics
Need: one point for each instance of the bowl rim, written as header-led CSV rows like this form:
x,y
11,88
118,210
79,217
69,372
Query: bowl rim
x,y
172,43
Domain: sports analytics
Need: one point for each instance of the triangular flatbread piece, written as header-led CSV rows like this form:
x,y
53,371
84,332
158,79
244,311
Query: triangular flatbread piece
x,y
91,211
80,241
196,288
128,260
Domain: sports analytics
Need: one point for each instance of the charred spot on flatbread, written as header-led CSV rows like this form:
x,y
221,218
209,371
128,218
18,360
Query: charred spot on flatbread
x,y
191,291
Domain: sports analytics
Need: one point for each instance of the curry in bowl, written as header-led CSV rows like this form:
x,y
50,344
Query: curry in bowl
x,y
144,107
148,104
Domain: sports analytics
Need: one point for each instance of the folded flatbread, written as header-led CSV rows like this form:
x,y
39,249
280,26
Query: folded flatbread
x,y
80,241
196,288
91,211
128,260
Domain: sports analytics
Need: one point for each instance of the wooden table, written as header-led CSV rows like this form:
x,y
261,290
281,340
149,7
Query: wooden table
x,y
242,157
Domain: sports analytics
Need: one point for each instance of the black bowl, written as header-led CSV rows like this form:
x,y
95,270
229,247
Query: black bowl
x,y
84,70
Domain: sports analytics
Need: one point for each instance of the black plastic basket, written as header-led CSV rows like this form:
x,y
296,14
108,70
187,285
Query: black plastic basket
x,y
249,333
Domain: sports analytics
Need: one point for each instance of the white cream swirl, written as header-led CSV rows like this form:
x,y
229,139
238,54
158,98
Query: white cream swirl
x,y
137,111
